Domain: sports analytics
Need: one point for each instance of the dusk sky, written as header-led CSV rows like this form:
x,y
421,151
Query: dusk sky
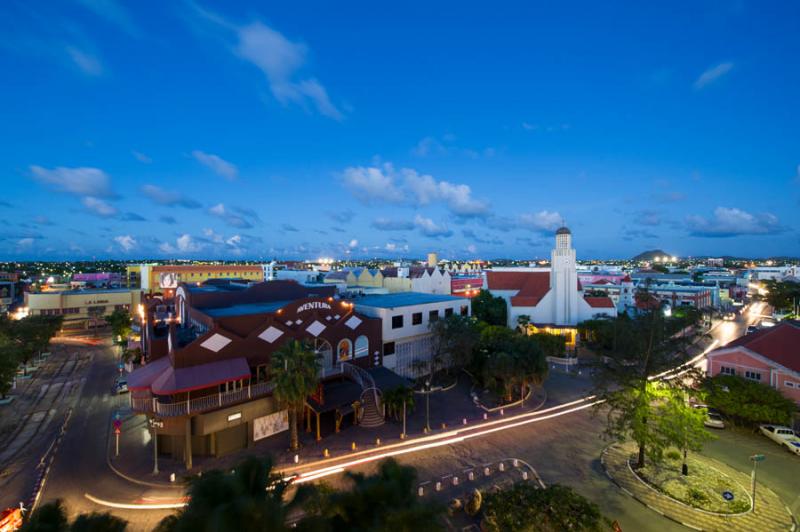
x,y
299,130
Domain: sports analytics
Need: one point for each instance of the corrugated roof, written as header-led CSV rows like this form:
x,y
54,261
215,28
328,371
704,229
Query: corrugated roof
x,y
780,344
201,376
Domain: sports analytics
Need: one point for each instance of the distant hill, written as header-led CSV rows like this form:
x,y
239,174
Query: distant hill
x,y
651,255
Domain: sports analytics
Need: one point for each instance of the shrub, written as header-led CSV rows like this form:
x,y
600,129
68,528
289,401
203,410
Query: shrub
x,y
474,503
673,455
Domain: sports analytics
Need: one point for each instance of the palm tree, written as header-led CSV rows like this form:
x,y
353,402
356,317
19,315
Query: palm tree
x,y
52,517
294,369
384,501
250,498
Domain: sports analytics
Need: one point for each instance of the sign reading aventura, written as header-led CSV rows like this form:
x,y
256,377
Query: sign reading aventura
x,y
313,305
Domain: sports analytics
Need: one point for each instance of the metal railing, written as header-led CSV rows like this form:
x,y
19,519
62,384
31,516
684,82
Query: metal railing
x,y
365,380
151,405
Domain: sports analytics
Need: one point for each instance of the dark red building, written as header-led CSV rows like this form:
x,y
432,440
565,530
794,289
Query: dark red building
x,y
208,372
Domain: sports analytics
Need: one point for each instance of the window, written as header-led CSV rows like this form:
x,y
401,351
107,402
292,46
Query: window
x,y
362,346
726,370
416,318
752,375
261,373
397,322
345,350
790,384
433,315
448,312
464,310
388,349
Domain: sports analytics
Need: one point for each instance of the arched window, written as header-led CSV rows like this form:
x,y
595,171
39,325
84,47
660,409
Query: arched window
x,y
362,347
324,352
344,351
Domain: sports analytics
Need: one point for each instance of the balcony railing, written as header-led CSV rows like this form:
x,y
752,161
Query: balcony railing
x,y
151,405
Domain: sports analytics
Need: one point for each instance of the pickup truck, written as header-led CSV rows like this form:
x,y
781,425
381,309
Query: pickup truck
x,y
783,436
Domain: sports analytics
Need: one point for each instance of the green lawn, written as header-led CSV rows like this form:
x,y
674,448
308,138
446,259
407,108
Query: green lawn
x,y
702,488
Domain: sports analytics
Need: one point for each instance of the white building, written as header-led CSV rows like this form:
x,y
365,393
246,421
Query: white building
x,y
406,320
552,298
426,280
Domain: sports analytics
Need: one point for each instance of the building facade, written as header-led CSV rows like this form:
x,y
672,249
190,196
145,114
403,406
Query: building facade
x,y
152,278
552,299
81,308
208,371
769,356
406,319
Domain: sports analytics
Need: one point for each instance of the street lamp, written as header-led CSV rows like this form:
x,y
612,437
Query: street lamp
x,y
427,405
155,424
756,458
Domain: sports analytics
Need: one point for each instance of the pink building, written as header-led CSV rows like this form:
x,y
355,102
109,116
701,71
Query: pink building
x,y
770,356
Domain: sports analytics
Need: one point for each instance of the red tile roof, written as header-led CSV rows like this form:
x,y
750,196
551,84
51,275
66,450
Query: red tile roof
x,y
176,380
599,302
531,286
780,344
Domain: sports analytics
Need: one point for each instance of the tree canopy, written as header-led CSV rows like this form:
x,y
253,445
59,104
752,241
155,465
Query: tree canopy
x,y
748,402
294,370
490,309
52,517
526,508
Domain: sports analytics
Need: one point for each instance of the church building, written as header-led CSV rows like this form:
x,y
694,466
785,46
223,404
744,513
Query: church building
x,y
549,299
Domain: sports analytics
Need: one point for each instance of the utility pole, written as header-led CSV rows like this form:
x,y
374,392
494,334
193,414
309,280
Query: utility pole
x,y
427,405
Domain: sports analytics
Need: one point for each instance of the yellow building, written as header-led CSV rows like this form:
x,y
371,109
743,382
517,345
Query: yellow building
x,y
160,278
75,305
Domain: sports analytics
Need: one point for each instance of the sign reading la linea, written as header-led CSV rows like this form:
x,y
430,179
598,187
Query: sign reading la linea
x,y
311,305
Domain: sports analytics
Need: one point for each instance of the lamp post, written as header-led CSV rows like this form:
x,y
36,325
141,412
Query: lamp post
x,y
427,405
756,458
155,424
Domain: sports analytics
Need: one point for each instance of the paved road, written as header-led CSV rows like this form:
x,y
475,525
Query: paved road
x,y
563,450
80,465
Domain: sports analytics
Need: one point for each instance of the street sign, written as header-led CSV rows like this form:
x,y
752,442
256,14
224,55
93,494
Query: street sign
x,y
117,424
758,458
727,495
116,430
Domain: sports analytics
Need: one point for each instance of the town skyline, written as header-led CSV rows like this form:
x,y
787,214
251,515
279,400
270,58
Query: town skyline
x,y
279,136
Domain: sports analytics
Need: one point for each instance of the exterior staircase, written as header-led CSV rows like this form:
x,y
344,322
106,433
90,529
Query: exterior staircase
x,y
371,413
372,409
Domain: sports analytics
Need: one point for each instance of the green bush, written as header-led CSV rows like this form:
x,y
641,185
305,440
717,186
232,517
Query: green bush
x,y
673,455
748,402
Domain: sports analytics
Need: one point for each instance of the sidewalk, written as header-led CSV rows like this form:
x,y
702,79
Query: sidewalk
x,y
451,407
770,514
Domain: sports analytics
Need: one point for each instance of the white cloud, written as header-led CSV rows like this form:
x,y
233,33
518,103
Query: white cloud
x,y
393,247
86,62
430,228
186,244
82,181
98,206
126,242
384,184
353,243
217,164
25,242
728,222
472,249
232,219
371,184
281,60
712,74
542,221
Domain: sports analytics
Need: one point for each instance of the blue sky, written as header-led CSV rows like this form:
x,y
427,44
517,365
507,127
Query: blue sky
x,y
305,129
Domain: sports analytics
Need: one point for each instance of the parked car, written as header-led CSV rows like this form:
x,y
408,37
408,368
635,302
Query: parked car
x,y
121,386
783,436
713,419
751,329
729,316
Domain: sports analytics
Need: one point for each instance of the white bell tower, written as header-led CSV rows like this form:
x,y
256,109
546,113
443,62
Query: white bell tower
x,y
564,279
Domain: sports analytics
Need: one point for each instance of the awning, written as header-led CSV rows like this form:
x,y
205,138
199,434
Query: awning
x,y
143,377
202,376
